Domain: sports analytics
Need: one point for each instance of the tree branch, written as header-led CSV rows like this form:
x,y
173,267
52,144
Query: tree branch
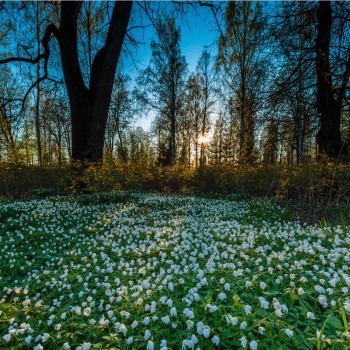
x,y
51,29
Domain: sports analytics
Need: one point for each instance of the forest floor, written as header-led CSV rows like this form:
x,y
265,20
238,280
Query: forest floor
x,y
130,270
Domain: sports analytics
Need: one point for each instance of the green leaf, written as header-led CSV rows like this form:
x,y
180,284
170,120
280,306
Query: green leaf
x,y
334,322
343,315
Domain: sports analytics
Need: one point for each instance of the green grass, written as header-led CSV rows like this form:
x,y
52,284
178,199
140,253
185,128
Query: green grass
x,y
129,270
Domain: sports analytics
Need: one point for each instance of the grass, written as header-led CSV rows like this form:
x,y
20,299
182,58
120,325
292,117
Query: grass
x,y
128,270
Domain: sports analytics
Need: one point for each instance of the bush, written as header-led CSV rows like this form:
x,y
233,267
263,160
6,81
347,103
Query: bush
x,y
313,187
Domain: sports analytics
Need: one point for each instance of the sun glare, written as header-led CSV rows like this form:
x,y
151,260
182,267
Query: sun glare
x,y
203,139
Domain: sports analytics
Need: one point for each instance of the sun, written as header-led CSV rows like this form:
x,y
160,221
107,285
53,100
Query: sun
x,y
203,139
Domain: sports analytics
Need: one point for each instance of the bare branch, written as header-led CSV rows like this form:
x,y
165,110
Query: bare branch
x,y
51,29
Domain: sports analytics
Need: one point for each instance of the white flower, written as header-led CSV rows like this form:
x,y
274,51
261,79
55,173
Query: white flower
x,y
7,337
243,341
278,313
248,309
146,321
150,345
85,346
215,340
190,324
86,312
322,299
319,289
253,345
262,285
66,346
243,325
147,334
264,304
123,329
194,339
310,315
289,332
206,332
64,315
134,324
37,338
45,336
173,311
347,305
28,339
189,313
284,308
222,296
187,343
166,319
231,320
26,303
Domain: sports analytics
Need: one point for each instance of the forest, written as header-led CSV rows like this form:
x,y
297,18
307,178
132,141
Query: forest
x,y
108,84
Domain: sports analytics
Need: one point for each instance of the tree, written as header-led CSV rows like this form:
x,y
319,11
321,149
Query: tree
x,y
205,69
216,145
119,119
163,81
10,123
270,155
330,96
56,128
293,87
193,111
89,105
241,62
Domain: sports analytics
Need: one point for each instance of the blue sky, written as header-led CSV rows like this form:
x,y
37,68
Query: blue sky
x,y
198,30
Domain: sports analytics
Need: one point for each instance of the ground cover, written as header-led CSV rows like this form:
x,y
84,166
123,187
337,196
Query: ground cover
x,y
149,271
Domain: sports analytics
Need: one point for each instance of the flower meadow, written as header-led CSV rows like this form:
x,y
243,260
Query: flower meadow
x,y
150,271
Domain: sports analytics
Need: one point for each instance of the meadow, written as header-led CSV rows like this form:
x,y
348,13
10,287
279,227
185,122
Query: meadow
x,y
129,270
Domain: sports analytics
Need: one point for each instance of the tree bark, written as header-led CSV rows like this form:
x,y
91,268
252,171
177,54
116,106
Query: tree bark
x,y
329,103
89,105
38,90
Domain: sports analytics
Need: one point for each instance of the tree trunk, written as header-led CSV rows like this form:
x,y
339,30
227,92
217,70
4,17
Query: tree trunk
x,y
38,89
89,105
328,103
123,154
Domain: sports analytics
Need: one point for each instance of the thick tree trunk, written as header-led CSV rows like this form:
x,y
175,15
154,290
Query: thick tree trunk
x,y
328,103
89,105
